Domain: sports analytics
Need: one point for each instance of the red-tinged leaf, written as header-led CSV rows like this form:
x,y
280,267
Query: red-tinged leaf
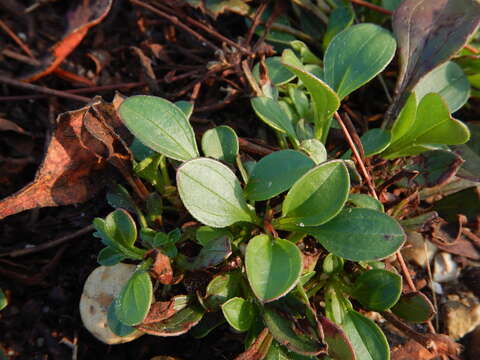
x,y
339,347
259,348
7,125
162,269
85,16
75,159
429,32
177,324
159,311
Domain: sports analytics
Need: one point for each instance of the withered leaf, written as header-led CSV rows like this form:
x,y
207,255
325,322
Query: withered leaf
x,y
71,171
89,13
259,348
159,311
162,269
429,32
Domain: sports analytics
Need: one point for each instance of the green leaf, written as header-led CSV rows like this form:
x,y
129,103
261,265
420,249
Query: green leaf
x,y
433,125
148,169
212,193
289,325
377,289
140,151
306,55
134,301
221,143
299,99
3,300
118,231
270,112
273,267
160,125
206,234
209,322
325,100
315,149
374,141
121,227
277,73
110,256
276,173
332,264
239,313
222,288
449,81
339,347
119,197
470,152
405,119
356,55
212,254
317,196
340,18
186,107
414,307
115,325
423,29
360,235
178,324
435,167
367,339
391,5
278,352
365,201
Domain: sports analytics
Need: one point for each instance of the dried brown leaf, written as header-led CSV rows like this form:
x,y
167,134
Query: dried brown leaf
x,y
88,14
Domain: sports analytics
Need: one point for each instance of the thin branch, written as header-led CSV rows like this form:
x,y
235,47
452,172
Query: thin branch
x,y
42,89
49,244
175,21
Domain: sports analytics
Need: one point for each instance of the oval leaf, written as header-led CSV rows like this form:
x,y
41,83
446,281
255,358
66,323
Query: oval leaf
x,y
220,143
360,235
239,313
414,307
276,173
133,303
211,193
317,196
366,338
339,347
448,80
117,327
272,114
273,266
325,100
277,73
357,55
286,329
178,324
365,201
377,289
160,125
423,29
315,149
222,288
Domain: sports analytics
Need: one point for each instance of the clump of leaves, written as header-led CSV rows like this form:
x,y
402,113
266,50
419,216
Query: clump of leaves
x,y
260,223
245,261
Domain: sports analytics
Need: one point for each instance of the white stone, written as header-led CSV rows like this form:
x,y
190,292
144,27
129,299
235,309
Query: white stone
x,y
460,319
415,251
101,287
445,269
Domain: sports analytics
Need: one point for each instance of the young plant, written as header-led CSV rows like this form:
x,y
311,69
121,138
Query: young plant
x,y
252,242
